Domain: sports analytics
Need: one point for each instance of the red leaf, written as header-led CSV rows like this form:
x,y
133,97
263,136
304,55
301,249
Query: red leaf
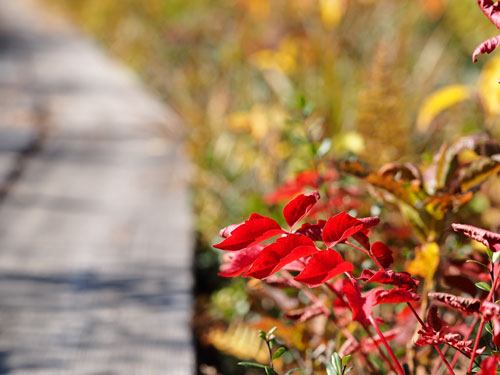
x,y
294,187
339,228
360,306
489,366
237,262
382,253
496,330
369,222
487,238
396,295
463,304
462,283
313,231
489,310
362,237
487,46
401,279
226,232
492,10
322,267
256,229
433,319
305,313
299,207
280,253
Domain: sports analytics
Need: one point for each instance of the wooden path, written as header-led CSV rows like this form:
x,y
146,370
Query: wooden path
x,y
95,234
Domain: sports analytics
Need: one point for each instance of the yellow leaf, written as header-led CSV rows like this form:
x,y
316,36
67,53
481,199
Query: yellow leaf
x,y
489,89
439,101
425,262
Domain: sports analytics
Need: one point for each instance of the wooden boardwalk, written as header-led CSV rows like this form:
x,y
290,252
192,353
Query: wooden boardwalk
x,y
95,228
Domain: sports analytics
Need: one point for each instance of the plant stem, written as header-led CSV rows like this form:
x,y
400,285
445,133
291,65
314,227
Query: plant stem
x,y
367,252
481,325
307,292
386,344
381,352
270,354
437,364
466,337
476,344
444,360
435,346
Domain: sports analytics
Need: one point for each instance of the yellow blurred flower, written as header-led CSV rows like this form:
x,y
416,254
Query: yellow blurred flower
x,y
331,12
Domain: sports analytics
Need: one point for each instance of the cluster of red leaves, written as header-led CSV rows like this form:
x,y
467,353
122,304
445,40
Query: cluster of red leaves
x,y
259,247
435,332
310,251
293,250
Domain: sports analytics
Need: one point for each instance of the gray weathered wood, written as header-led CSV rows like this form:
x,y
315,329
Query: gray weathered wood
x,y
95,238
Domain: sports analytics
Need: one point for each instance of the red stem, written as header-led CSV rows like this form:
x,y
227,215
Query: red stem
x,y
444,360
315,300
381,352
466,337
481,326
435,346
476,344
386,344
367,252
437,364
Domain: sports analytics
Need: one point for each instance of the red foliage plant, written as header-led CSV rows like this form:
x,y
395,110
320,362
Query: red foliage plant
x,y
311,257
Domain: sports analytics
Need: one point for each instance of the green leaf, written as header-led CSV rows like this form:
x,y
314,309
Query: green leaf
x,y
337,363
347,370
477,262
251,365
292,371
346,359
495,256
488,329
482,285
278,353
490,253
262,335
270,371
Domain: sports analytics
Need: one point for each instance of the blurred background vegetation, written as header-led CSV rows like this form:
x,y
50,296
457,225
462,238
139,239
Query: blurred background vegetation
x,y
270,88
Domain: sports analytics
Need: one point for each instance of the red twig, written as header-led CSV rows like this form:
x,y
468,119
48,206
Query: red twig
x,y
481,325
466,337
443,358
369,253
386,344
